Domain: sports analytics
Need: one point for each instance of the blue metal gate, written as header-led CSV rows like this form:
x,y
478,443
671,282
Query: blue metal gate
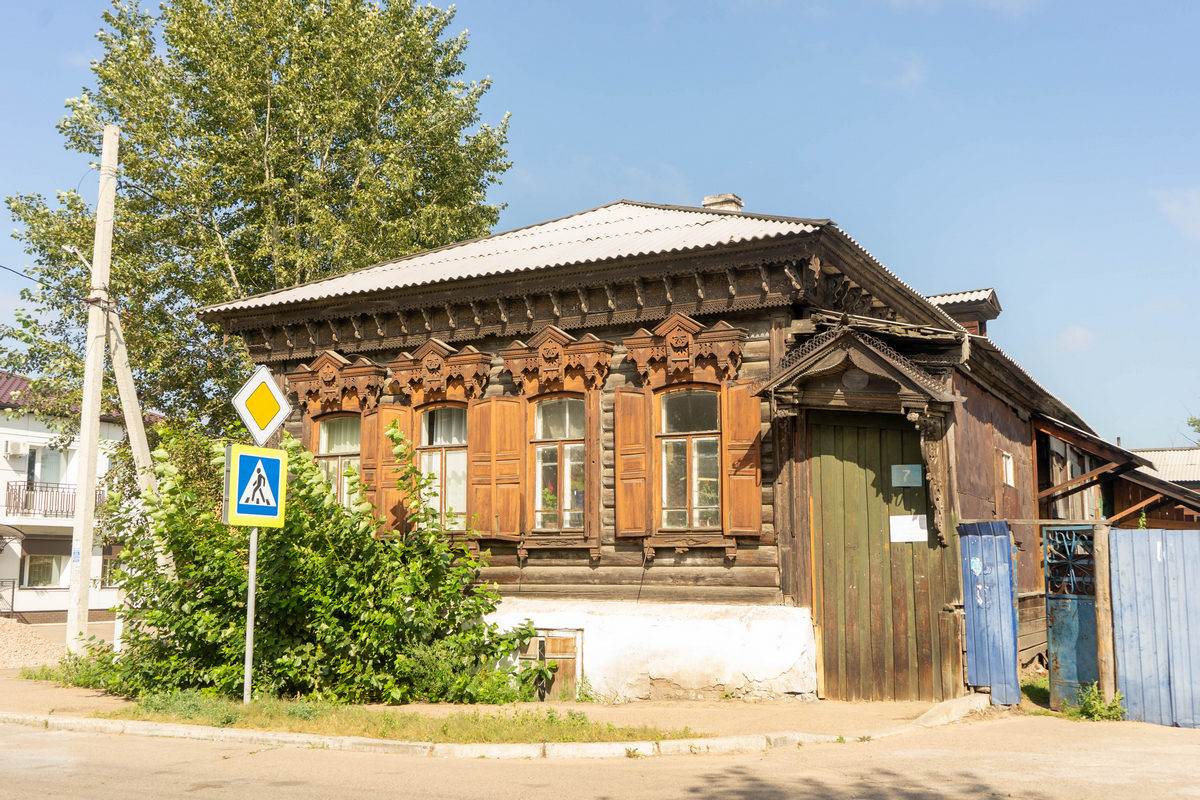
x,y
1069,556
989,599
1156,624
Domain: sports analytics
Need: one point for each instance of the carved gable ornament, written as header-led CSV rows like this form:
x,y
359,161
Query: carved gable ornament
x,y
436,371
554,360
681,349
334,383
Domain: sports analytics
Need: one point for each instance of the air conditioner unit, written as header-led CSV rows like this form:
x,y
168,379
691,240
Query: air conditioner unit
x,y
16,447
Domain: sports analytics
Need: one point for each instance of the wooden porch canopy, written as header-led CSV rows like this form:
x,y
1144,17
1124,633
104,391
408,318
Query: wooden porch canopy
x,y
1118,460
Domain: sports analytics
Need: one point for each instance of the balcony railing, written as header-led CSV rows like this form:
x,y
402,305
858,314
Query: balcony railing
x,y
25,499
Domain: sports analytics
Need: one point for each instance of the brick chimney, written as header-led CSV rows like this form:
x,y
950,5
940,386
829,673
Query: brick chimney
x,y
723,202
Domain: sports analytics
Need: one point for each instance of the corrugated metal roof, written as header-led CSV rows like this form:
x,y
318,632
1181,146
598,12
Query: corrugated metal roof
x,y
973,296
622,229
1174,463
11,383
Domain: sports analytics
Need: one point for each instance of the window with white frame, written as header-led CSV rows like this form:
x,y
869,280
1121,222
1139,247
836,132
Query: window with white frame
x,y
558,456
689,434
1008,469
45,572
443,455
338,448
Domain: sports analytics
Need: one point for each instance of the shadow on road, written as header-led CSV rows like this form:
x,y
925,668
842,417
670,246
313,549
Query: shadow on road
x,y
870,784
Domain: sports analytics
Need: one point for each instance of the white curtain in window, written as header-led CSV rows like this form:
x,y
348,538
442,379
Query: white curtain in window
x,y
340,435
444,426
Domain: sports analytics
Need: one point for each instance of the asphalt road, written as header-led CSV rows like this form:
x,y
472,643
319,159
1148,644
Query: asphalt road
x,y
1022,757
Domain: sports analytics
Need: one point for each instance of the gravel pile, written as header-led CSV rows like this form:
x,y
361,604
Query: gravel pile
x,y
21,646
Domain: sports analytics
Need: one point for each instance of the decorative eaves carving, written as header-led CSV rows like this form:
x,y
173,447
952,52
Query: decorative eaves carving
x,y
436,371
681,349
334,383
843,348
554,360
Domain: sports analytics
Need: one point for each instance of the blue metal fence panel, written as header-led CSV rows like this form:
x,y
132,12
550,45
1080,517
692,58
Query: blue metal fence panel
x,y
1183,624
1070,564
989,600
1156,624
1071,647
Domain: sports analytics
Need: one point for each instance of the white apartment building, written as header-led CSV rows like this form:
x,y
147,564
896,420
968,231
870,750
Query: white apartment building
x,y
38,485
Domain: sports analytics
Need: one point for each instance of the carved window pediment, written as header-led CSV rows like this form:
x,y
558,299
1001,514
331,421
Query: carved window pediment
x,y
857,362
681,349
436,371
333,382
554,360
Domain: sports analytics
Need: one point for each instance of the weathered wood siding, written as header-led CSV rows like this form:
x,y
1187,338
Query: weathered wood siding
x,y
985,427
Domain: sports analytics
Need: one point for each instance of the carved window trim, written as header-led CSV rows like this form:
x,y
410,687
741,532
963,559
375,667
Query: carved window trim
x,y
555,361
435,372
681,350
332,383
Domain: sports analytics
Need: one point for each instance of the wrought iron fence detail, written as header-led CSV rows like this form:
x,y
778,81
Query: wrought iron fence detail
x,y
1070,562
26,499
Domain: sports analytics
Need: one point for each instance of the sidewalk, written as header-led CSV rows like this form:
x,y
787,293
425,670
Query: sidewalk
x,y
725,726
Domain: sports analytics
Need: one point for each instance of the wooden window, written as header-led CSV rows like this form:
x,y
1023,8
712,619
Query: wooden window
x,y
338,446
442,454
689,460
559,464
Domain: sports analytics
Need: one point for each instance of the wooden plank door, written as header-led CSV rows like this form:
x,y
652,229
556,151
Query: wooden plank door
x,y
877,602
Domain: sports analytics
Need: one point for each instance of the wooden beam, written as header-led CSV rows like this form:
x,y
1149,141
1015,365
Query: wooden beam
x,y
266,338
357,323
699,285
332,331
528,308
641,294
583,303
428,320
612,298
450,315
478,317
1146,504
1099,448
503,310
1077,484
666,282
378,325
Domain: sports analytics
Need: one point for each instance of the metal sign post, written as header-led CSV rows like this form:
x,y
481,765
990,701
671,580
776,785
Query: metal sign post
x,y
256,484
250,616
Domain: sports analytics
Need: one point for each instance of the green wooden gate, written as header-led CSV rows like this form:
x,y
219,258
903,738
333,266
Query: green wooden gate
x,y
878,602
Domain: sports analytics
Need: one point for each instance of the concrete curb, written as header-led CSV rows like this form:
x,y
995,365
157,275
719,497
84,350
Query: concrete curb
x,y
941,714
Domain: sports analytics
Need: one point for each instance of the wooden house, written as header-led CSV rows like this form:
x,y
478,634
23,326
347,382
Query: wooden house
x,y
707,450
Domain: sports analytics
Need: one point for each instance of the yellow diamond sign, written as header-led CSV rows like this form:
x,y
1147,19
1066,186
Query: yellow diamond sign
x,y
262,405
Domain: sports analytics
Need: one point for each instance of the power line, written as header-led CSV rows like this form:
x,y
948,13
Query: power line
x,y
22,274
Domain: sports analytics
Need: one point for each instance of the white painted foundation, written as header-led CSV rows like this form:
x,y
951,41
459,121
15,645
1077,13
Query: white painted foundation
x,y
634,651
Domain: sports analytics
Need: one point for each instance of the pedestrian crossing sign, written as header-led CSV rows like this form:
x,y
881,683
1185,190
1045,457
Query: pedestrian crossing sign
x,y
255,486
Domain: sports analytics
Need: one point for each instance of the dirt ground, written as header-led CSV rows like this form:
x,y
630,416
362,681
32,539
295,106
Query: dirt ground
x,y
715,717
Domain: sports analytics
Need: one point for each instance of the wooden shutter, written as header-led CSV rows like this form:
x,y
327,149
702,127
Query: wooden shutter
x,y
389,497
741,445
368,456
632,442
495,467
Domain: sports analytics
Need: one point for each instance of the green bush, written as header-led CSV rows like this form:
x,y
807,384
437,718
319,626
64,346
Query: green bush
x,y
1092,705
344,613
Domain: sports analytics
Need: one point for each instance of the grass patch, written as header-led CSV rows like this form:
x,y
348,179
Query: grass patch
x,y
303,716
1037,689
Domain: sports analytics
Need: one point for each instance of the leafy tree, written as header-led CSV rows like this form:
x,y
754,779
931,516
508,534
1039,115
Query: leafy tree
x,y
343,613
263,143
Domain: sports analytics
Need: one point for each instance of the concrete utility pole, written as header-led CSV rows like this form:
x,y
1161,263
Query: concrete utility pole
x,y
89,422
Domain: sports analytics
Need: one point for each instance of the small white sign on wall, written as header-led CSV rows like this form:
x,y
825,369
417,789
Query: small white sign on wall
x,y
909,528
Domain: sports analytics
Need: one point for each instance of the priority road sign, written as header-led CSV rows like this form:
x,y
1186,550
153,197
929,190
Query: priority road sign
x,y
262,405
255,486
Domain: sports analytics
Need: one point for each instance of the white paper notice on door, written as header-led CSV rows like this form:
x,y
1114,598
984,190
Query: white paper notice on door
x,y
909,528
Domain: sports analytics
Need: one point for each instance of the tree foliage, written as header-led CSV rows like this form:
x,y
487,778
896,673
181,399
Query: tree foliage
x,y
263,143
343,613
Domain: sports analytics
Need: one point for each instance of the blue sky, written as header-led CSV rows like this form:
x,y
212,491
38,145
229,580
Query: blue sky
x,y
1046,149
